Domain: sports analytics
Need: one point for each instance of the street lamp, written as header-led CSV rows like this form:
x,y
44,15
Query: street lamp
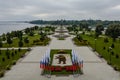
x,y
95,44
110,53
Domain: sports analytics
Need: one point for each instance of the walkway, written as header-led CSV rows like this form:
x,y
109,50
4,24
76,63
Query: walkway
x,y
94,67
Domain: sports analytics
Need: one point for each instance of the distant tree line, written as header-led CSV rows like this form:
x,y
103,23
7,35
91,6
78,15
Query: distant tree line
x,y
71,22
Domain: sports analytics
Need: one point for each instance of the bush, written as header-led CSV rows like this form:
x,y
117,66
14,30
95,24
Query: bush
x,y
0,52
112,53
3,59
8,57
13,62
15,52
2,73
8,67
104,48
115,68
29,49
23,55
108,63
112,46
12,54
106,40
117,56
19,49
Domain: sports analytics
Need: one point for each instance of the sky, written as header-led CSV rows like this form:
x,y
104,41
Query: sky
x,y
21,10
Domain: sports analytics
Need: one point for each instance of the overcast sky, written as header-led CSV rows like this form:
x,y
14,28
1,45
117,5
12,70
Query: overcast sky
x,y
59,9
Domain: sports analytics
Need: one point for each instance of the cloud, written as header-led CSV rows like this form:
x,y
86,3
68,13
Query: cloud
x,y
59,9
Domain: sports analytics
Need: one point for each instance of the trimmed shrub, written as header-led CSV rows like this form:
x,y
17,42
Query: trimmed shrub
x,y
106,40
13,62
112,53
0,52
115,68
15,52
8,67
12,54
23,55
104,48
19,49
117,56
8,57
2,73
112,46
3,59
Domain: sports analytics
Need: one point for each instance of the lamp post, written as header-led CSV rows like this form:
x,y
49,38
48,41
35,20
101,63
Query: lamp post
x,y
95,44
110,54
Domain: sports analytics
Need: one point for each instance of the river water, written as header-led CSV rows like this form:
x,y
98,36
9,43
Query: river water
x,y
8,26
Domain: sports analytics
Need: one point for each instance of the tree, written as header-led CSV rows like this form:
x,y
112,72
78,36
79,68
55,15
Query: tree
x,y
79,37
106,40
99,29
8,54
20,34
113,31
1,44
20,43
9,40
27,30
3,37
26,40
112,46
31,33
0,52
43,36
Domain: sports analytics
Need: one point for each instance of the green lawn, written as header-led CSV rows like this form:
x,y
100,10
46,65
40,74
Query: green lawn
x,y
14,55
31,39
105,52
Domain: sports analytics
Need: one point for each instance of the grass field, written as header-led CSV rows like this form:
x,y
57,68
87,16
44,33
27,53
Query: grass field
x,y
14,55
99,45
31,43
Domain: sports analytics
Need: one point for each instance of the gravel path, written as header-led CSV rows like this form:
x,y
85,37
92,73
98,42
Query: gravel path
x,y
94,67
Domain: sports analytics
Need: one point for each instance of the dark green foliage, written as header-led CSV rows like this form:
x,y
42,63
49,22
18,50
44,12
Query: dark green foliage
x,y
12,54
20,43
117,56
106,40
27,30
26,40
43,37
8,57
112,46
7,52
104,48
9,40
15,52
83,32
19,49
0,52
79,37
8,67
99,29
113,31
112,53
20,34
3,37
1,44
13,62
2,73
31,33
3,59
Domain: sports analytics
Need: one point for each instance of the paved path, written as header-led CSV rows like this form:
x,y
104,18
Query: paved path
x,y
94,67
